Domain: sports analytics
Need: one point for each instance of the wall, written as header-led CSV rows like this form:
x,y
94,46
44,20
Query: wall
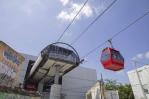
x,y
10,65
136,86
95,93
15,96
77,82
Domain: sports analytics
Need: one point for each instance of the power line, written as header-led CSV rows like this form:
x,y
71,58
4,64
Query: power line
x,y
72,21
87,28
118,33
82,33
129,25
91,51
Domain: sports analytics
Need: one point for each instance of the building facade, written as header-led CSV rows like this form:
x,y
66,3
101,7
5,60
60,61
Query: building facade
x,y
139,79
97,92
74,84
10,65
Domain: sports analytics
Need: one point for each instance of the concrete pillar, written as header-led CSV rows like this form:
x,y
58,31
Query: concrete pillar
x,y
40,87
56,78
55,92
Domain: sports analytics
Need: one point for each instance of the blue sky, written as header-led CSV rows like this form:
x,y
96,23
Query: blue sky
x,y
30,25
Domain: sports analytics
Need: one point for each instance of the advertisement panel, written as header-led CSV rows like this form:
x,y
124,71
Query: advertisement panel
x,y
10,64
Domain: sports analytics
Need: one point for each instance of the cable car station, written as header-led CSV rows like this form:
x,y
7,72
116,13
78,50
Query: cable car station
x,y
52,63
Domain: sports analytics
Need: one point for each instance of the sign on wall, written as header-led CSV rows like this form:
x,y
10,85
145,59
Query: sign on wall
x,y
10,64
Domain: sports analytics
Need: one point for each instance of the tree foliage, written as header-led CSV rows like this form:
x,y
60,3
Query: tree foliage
x,y
124,90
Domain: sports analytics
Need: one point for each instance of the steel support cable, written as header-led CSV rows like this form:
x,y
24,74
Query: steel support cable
x,y
72,21
94,49
118,33
129,25
87,28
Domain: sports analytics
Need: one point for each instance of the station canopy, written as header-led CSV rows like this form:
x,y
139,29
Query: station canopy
x,y
57,57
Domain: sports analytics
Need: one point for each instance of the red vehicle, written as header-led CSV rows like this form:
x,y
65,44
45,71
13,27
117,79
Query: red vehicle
x,y
111,59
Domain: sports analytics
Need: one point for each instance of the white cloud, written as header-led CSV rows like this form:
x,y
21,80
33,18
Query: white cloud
x,y
64,15
147,55
138,56
87,10
64,2
68,14
141,56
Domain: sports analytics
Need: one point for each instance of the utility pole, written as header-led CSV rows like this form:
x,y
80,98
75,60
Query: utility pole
x,y
140,83
102,88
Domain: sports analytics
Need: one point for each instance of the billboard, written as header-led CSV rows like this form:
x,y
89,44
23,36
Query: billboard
x,y
10,64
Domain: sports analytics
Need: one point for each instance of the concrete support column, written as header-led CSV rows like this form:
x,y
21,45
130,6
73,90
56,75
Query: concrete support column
x,y
56,79
40,87
57,76
55,92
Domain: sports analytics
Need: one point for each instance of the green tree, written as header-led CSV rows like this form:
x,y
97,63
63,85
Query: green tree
x,y
125,90
111,84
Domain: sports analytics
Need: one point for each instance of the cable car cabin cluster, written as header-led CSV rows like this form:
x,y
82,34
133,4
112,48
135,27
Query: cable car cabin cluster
x,y
111,59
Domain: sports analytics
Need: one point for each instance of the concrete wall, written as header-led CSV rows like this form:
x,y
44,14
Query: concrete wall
x,y
95,93
77,82
16,96
136,86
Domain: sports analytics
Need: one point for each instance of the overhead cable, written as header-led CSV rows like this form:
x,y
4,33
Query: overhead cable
x,y
118,33
72,21
89,26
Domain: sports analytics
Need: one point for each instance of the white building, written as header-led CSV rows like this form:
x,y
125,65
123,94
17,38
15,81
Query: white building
x,y
96,92
74,84
139,80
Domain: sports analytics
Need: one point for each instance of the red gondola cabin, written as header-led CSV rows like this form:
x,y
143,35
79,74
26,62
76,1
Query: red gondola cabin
x,y
111,59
